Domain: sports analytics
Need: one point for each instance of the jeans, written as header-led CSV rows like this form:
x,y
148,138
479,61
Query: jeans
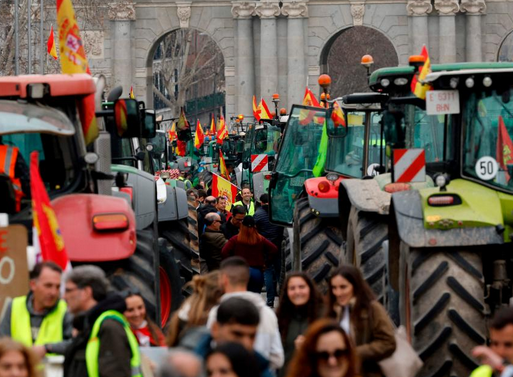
x,y
256,280
270,284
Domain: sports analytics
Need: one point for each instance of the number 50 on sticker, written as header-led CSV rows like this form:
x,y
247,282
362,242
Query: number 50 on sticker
x,y
486,168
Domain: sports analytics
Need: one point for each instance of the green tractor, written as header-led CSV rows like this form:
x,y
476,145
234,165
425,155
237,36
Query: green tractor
x,y
306,203
436,233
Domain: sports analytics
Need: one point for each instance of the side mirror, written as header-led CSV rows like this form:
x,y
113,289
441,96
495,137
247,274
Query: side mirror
x,y
127,118
149,129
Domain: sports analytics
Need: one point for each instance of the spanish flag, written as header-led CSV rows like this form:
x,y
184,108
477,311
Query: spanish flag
x,y
172,133
222,133
181,148
74,60
131,94
309,99
264,110
418,87
307,116
256,110
50,44
212,127
49,234
182,121
199,136
504,149
223,187
223,171
337,116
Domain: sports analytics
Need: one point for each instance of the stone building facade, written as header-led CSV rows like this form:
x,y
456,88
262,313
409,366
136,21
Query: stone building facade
x,y
281,46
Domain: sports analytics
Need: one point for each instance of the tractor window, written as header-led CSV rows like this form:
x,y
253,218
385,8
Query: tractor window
x,y
488,148
56,162
298,155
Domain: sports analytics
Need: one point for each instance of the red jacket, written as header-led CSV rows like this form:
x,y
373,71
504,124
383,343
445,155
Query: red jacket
x,y
256,255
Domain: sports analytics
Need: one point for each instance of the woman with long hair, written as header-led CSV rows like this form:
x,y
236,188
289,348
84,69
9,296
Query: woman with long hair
x,y
16,360
147,332
194,310
300,305
326,351
257,250
352,303
231,360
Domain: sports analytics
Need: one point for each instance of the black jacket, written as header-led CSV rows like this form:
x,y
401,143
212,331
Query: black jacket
x,y
203,210
273,233
212,242
229,230
115,353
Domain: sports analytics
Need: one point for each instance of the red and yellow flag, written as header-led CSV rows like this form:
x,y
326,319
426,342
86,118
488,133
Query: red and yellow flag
x,y
212,126
256,110
182,121
418,87
309,99
50,45
222,133
199,136
74,60
172,133
223,187
264,110
45,221
504,150
337,116
223,171
181,148
131,94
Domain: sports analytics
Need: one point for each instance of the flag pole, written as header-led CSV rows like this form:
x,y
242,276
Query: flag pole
x,y
29,42
16,38
43,55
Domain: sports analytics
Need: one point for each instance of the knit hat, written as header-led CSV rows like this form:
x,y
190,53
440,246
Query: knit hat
x,y
249,221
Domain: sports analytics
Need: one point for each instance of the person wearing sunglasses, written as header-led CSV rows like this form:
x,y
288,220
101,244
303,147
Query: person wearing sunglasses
x,y
326,351
353,305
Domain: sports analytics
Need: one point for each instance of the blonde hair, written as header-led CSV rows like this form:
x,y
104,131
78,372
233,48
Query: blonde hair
x,y
31,360
206,294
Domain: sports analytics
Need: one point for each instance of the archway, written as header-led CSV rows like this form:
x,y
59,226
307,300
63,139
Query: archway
x,y
341,58
188,71
505,53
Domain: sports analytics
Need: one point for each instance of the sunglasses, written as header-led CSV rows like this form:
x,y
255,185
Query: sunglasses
x,y
337,354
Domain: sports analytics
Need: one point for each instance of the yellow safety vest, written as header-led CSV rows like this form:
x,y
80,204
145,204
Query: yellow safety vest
x,y
93,345
251,211
51,327
482,371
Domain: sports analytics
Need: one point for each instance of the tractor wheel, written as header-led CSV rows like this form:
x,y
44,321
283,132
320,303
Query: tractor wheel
x,y
317,241
177,235
192,225
442,305
285,259
137,273
170,282
366,232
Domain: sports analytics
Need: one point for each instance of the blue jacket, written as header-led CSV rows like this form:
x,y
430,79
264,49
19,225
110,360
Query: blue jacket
x,y
204,347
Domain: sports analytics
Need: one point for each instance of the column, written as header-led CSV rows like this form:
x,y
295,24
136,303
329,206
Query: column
x,y
268,11
418,11
296,13
473,43
121,16
447,10
243,12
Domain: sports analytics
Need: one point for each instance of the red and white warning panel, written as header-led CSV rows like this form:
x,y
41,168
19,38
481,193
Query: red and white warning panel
x,y
259,162
409,165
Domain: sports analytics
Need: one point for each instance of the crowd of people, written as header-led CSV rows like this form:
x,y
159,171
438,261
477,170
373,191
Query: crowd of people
x,y
225,328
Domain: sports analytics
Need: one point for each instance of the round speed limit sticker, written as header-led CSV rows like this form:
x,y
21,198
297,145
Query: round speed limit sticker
x,y
487,168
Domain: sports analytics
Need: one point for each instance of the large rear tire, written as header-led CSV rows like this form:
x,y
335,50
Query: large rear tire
x,y
170,282
177,235
317,241
442,305
366,232
192,225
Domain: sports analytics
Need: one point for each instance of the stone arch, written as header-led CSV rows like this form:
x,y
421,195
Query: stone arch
x,y
505,48
155,22
380,46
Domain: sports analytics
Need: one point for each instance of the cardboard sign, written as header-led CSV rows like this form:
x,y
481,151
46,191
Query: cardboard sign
x,y
14,274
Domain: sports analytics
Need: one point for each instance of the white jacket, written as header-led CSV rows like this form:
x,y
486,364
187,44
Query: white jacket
x,y
268,340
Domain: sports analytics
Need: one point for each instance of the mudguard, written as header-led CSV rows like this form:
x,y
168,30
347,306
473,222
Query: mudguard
x,y
144,194
409,222
175,207
365,195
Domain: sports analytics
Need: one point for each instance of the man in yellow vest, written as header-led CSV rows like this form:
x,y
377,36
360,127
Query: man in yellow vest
x,y
105,345
497,359
247,202
40,319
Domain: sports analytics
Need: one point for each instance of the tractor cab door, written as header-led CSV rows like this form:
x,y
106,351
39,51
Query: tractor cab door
x,y
298,154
